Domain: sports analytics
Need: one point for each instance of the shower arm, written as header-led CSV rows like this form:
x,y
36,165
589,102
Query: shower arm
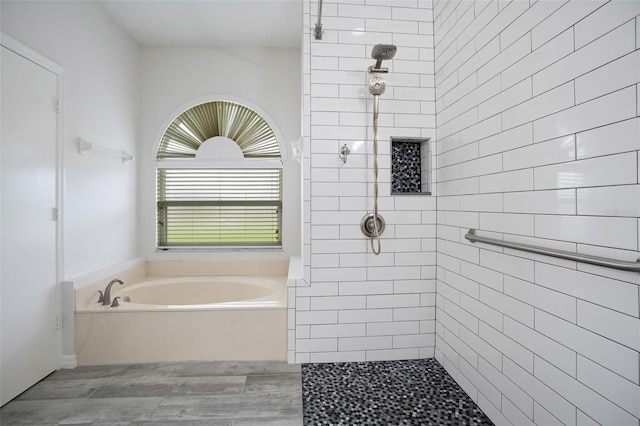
x,y
317,31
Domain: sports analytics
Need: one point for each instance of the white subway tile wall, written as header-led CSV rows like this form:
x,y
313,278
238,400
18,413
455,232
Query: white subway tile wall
x,y
353,305
538,141
533,108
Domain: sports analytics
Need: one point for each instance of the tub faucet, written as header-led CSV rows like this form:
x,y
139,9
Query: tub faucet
x,y
106,300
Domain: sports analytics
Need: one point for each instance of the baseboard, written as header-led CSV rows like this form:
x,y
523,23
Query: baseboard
x,y
68,362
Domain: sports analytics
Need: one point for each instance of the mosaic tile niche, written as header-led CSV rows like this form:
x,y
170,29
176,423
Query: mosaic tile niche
x,y
410,171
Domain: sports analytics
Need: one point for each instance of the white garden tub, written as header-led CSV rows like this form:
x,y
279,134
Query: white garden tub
x,y
186,293
206,318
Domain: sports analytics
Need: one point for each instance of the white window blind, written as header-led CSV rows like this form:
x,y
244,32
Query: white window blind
x,y
219,207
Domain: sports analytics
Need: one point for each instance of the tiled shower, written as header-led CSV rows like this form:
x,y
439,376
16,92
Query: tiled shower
x,y
353,306
533,110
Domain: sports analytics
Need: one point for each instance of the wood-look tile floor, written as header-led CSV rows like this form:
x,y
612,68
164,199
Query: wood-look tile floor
x,y
225,393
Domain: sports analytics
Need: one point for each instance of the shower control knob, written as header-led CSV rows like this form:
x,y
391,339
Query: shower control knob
x,y
368,225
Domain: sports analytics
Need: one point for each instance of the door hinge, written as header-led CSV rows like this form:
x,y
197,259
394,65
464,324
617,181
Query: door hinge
x,y
56,106
55,213
58,322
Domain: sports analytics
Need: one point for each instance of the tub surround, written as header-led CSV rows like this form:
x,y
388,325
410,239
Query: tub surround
x,y
133,337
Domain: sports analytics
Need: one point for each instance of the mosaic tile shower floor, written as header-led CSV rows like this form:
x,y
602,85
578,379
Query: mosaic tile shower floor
x,y
411,392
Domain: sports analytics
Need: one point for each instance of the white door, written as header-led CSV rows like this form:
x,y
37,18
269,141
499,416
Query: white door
x,y
28,293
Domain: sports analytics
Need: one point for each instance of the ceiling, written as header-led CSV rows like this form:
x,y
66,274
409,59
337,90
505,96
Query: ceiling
x,y
256,23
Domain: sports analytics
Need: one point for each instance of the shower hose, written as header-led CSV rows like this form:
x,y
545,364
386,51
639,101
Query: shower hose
x,y
375,235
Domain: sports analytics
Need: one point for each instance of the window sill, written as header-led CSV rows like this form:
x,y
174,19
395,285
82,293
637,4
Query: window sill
x,y
217,249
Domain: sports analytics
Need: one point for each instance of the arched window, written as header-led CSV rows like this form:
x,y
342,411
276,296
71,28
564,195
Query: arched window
x,y
219,179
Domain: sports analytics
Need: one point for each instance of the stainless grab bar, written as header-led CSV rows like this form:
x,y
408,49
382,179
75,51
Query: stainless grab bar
x,y
586,258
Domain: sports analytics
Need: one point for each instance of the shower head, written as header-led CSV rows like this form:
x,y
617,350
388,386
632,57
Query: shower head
x,y
377,86
381,52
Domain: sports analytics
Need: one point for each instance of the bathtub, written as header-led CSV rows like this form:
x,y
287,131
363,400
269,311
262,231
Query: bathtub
x,y
188,293
189,318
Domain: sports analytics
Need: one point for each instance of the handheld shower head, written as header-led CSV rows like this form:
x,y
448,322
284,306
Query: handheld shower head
x,y
377,86
372,224
381,52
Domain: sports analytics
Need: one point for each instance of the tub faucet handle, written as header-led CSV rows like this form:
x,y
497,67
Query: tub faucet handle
x,y
115,302
101,298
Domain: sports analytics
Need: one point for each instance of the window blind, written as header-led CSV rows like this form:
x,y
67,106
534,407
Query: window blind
x,y
219,118
219,207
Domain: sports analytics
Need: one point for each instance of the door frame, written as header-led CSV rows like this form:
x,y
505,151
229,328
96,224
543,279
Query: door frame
x,y
46,63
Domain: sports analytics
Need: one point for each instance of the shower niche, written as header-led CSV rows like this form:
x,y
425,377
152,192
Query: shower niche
x,y
410,166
